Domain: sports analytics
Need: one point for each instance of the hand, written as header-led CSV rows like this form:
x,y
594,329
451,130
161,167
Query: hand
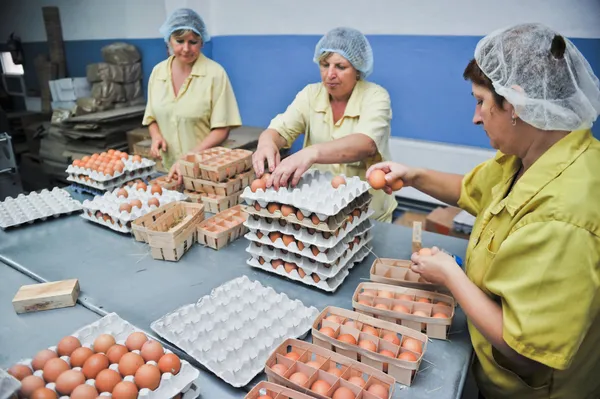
x,y
175,173
267,149
292,167
437,268
394,171
158,144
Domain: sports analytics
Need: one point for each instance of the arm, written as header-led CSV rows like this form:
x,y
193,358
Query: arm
x,y
352,148
445,187
215,138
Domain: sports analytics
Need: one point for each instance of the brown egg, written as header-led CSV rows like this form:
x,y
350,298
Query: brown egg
x,y
276,263
125,208
410,357
20,371
401,309
397,185
68,381
293,355
154,201
369,330
368,345
391,337
125,390
287,210
141,186
136,203
287,240
377,179
261,397
320,386
156,189
29,384
315,219
314,364
299,378
412,345
147,376
53,368
119,166
84,391
137,158
382,306
106,380
379,390
94,365
405,297
334,318
425,252
67,345
261,260
106,217
315,278
385,294
300,215
136,340
257,206
115,353
258,184
356,380
130,363
279,368
420,313
152,350
439,315
43,393
347,338
169,363
300,245
424,300
301,272
41,358
108,171
103,342
338,181
79,356
330,332
335,371
343,393
274,235
273,207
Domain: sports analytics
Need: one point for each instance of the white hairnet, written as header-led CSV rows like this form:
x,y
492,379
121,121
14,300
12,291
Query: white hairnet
x,y
350,44
184,18
543,75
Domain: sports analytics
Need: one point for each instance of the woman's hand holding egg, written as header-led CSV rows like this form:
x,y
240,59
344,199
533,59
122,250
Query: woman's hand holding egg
x,y
435,266
175,173
293,167
390,176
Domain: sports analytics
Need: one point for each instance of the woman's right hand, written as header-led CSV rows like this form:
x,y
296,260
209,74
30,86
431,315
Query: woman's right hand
x,y
266,150
158,144
394,171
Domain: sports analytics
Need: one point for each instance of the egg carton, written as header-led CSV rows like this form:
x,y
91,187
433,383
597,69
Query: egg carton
x,y
233,330
36,206
274,391
9,385
325,255
111,184
223,228
229,187
330,224
314,193
104,209
169,184
304,234
189,164
330,285
397,272
170,385
225,166
218,203
131,169
323,270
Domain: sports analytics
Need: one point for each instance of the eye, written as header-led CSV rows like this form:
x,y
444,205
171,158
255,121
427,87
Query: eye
x,y
341,67
193,42
180,41
479,102
324,65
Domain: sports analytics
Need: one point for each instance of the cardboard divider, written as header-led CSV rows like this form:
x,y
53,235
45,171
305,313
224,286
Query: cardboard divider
x,y
189,164
374,381
299,367
397,272
312,359
352,373
215,233
275,391
225,166
321,375
334,368
341,383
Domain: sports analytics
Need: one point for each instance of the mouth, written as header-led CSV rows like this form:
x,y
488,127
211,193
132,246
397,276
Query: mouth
x,y
332,85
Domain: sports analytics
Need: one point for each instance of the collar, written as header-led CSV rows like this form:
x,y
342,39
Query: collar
x,y
352,108
198,69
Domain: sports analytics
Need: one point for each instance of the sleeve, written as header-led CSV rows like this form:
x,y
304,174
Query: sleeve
x,y
547,276
292,122
375,118
476,188
225,110
149,115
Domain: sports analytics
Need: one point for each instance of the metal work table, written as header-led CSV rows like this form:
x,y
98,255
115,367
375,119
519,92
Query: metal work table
x,y
118,275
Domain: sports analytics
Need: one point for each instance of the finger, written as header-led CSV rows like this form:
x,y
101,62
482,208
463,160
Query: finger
x,y
258,169
273,181
416,268
164,145
415,257
283,182
391,177
388,190
277,158
379,166
271,161
297,175
435,250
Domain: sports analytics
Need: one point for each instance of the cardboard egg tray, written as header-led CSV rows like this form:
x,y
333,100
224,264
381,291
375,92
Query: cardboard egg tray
x,y
353,323
233,330
170,385
223,228
36,206
313,194
190,163
225,166
229,187
397,272
164,182
9,385
104,209
218,203
110,184
331,224
328,360
274,391
412,300
330,284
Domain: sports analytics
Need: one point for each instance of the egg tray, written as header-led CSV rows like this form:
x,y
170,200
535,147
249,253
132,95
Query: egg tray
x,y
217,203
225,166
233,330
402,370
167,184
132,168
397,272
437,328
223,228
112,184
312,353
8,385
331,224
274,391
36,206
229,187
189,164
329,285
112,324
314,193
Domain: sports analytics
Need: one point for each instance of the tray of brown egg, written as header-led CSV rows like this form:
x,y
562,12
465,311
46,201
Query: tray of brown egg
x,y
109,356
421,310
389,347
269,390
324,374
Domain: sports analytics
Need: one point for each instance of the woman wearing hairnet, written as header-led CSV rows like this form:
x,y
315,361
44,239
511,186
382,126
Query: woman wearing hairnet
x,y
346,120
191,105
531,289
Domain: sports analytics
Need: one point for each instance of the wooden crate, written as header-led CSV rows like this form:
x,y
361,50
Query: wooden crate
x,y
167,184
218,203
139,226
224,167
175,225
397,272
274,391
175,253
228,187
193,196
189,164
223,228
46,296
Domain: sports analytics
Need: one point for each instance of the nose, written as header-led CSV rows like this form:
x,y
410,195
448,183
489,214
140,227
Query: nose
x,y
186,47
477,119
331,72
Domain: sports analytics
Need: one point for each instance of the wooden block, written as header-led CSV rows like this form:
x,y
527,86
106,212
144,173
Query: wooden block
x,y
416,236
46,296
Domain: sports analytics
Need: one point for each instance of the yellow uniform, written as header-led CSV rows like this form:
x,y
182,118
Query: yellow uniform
x,y
536,251
368,112
205,101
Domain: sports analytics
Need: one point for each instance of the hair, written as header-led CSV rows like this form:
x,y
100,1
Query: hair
x,y
325,56
180,33
474,74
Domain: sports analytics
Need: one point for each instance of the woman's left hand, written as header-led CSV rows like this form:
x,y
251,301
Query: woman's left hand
x,y
436,268
175,173
292,167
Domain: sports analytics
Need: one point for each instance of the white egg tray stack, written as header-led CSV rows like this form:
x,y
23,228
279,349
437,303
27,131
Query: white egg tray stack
x,y
233,330
313,193
109,203
8,385
170,385
36,206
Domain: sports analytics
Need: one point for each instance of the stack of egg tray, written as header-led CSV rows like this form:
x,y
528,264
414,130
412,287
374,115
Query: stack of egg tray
x,y
312,233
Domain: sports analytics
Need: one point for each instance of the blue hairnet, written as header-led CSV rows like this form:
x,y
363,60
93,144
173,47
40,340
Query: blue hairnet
x,y
184,18
350,44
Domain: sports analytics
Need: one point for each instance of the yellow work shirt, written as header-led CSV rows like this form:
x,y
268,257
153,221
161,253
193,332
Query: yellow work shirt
x,y
205,101
536,251
368,112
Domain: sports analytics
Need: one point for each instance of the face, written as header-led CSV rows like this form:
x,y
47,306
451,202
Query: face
x,y
338,75
186,48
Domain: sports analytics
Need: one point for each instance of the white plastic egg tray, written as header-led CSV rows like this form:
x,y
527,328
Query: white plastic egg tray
x,y
233,330
314,193
131,169
8,385
109,185
170,385
330,284
109,204
36,206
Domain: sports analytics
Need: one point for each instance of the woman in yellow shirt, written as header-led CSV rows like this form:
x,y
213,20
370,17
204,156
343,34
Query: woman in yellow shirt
x,y
531,291
345,119
191,105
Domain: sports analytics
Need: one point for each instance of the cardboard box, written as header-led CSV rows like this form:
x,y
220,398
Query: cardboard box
x,y
135,136
69,89
440,221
